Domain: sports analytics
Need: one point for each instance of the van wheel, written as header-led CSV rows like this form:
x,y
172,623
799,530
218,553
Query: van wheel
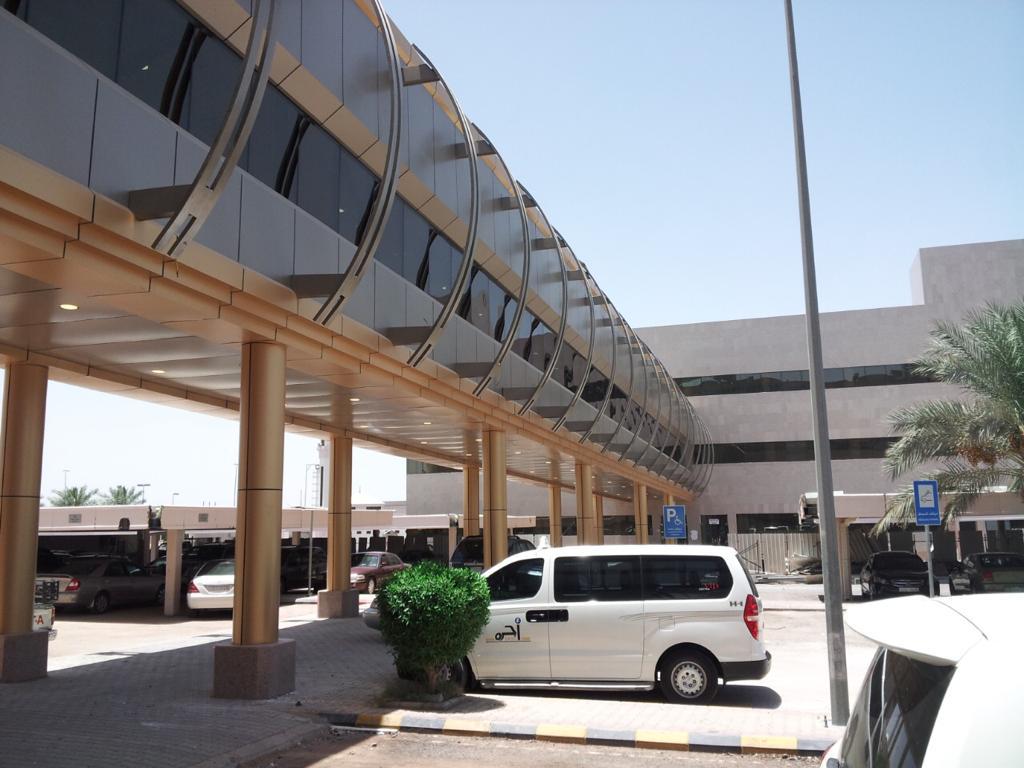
x,y
688,676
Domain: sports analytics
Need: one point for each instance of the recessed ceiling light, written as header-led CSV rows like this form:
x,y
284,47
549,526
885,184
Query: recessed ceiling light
x,y
423,442
69,307
158,370
426,423
364,426
469,454
479,439
518,452
353,399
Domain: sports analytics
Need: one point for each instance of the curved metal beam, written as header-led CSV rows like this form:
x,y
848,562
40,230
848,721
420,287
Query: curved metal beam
x,y
632,378
646,391
191,212
678,413
459,285
524,283
560,338
657,414
590,346
669,434
691,429
611,376
380,210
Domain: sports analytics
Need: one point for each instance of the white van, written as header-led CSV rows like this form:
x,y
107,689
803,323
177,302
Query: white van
x,y
622,617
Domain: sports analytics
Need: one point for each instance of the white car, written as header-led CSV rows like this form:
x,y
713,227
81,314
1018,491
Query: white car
x,y
622,617
944,688
213,587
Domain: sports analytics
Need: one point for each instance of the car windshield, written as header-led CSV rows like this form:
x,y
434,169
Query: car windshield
x,y
899,561
82,567
365,560
1001,561
218,568
469,550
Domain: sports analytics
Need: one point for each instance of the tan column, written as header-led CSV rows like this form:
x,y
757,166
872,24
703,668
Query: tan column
x,y
22,651
256,665
585,504
339,600
471,500
643,535
555,514
598,519
495,499
172,572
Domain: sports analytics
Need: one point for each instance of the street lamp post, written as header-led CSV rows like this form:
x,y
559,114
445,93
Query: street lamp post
x,y
173,497
66,478
143,486
836,637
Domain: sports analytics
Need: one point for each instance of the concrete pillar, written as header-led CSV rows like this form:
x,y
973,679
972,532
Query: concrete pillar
x,y
643,535
843,547
339,600
495,498
256,664
471,500
585,523
22,651
172,573
598,519
555,514
153,547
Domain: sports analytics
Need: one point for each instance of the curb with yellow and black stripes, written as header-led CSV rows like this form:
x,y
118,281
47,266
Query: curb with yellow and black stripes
x,y
579,734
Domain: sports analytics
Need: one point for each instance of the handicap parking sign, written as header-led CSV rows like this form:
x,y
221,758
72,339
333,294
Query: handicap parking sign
x,y
674,520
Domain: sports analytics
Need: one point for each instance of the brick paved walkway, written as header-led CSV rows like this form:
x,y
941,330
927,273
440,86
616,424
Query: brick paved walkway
x,y
150,706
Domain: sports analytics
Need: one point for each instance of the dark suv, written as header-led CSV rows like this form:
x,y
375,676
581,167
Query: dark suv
x,y
470,551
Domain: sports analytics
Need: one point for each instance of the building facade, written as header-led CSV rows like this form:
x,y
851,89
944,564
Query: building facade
x,y
748,380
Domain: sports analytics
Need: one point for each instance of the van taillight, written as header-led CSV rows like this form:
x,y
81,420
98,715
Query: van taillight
x,y
73,585
193,588
752,616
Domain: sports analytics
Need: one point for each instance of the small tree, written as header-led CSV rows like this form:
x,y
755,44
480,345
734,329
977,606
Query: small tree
x,y
430,615
121,494
75,496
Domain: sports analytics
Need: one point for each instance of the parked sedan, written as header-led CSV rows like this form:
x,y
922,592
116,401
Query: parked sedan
x,y
98,582
371,569
894,573
990,572
213,587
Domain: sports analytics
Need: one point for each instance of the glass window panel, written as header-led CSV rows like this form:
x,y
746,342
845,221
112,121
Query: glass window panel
x,y
479,311
391,250
686,578
419,236
517,581
316,178
270,137
214,77
444,263
152,33
357,187
88,30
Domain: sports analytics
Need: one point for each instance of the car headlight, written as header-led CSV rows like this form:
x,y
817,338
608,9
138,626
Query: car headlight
x,y
357,577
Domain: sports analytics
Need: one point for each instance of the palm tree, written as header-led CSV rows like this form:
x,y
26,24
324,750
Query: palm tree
x,y
977,439
120,494
75,496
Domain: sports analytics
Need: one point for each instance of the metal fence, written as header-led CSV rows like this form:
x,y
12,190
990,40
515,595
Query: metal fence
x,y
775,552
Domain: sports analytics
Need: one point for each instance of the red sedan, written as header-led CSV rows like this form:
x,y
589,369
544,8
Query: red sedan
x,y
371,569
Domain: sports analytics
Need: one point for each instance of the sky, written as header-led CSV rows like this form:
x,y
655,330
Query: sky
x,y
658,135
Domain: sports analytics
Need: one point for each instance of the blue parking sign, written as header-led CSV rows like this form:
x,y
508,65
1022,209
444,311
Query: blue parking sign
x,y
926,502
674,521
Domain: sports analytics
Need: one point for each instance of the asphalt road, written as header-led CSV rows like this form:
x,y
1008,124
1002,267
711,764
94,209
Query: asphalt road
x,y
368,749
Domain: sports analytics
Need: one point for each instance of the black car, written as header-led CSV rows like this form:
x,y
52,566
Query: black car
x,y
413,556
470,551
989,572
295,567
894,573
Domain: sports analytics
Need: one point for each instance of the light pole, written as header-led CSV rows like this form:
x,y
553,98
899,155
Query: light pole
x,y
143,486
836,637
173,496
66,478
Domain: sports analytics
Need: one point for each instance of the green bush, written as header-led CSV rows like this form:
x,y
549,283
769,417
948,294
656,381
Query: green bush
x,y
431,615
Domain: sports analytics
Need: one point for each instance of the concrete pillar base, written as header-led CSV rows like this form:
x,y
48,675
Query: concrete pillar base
x,y
253,671
23,656
337,604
